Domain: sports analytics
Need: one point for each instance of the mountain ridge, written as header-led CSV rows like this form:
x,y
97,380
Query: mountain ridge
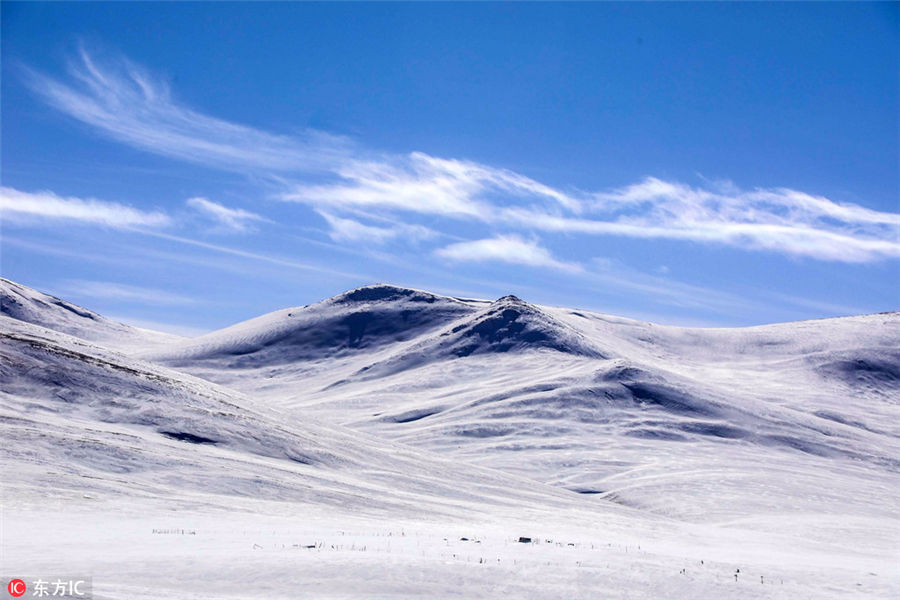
x,y
26,304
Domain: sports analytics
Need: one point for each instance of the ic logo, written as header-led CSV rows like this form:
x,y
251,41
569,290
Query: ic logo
x,y
16,588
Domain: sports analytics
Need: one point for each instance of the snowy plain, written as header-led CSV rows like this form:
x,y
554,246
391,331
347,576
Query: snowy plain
x,y
346,448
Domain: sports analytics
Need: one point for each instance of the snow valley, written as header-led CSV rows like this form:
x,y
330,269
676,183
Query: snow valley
x,y
390,442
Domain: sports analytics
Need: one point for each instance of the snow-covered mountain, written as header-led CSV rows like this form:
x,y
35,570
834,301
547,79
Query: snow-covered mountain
x,y
639,413
385,410
31,306
507,325
358,323
110,421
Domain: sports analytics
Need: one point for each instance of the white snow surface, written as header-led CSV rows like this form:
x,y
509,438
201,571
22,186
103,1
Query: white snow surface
x,y
345,448
25,304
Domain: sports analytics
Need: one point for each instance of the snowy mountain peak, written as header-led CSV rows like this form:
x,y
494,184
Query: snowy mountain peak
x,y
507,325
383,292
511,324
361,320
510,299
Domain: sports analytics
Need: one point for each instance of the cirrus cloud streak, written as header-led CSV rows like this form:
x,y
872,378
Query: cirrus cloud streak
x,y
231,219
511,249
17,205
336,177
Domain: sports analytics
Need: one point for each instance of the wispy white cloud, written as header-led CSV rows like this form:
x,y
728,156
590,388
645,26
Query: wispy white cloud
x,y
351,230
424,184
27,207
511,249
780,219
127,103
256,256
125,293
16,205
232,219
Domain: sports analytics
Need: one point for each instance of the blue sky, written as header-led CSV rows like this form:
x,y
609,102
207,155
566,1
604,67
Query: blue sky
x,y
189,165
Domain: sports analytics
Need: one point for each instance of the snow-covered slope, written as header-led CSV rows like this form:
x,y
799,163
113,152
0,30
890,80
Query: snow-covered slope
x,y
359,322
394,443
31,306
95,421
507,325
668,419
